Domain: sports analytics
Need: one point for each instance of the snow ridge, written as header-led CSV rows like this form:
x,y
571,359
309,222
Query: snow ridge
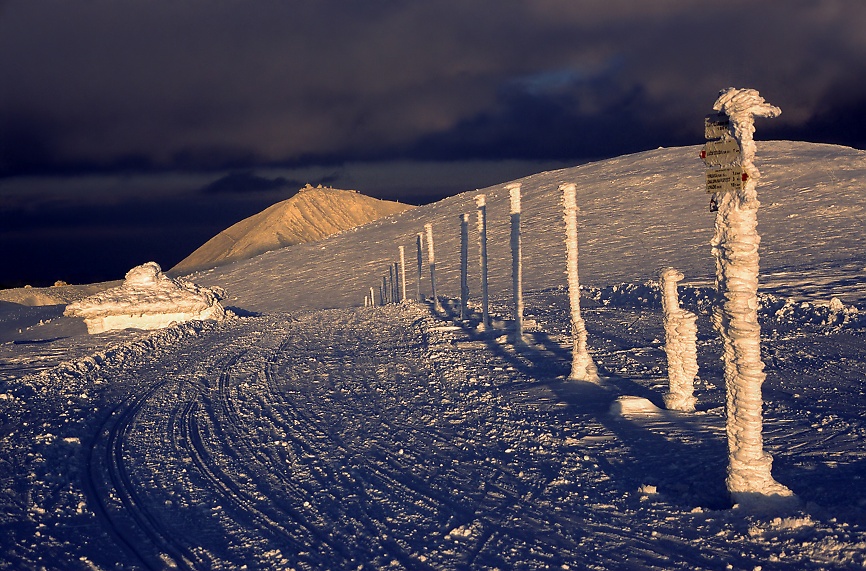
x,y
310,215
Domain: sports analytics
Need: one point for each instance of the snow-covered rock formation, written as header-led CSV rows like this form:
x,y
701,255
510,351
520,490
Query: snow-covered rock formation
x,y
147,299
681,334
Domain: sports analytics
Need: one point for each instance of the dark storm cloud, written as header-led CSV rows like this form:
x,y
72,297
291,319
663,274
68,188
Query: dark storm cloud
x,y
224,84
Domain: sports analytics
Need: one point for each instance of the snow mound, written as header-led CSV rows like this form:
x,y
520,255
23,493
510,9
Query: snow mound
x,y
147,299
626,405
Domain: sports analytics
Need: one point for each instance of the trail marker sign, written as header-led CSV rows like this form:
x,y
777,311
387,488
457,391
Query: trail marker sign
x,y
721,153
716,126
725,179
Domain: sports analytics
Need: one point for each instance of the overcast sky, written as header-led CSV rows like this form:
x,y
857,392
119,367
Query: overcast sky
x,y
334,90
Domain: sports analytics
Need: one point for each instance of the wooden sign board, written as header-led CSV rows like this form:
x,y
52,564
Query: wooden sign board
x,y
721,153
716,126
724,180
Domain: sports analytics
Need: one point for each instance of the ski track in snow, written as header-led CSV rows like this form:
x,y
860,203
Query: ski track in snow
x,y
387,437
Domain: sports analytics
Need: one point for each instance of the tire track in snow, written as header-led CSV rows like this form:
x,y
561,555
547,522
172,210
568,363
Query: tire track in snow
x,y
105,465
236,446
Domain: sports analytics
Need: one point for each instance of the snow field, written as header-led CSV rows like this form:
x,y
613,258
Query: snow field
x,y
387,437
395,437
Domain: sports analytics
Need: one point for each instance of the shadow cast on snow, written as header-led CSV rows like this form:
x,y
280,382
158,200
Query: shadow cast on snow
x,y
687,472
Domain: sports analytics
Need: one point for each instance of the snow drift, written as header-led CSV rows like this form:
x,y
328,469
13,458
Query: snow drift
x,y
147,299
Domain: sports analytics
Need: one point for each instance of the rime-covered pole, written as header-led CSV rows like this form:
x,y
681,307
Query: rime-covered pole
x,y
431,260
735,248
402,251
516,262
464,266
392,282
386,289
372,297
582,366
419,242
481,203
681,333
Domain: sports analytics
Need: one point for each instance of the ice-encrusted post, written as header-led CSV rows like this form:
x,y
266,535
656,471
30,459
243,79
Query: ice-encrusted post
x,y
392,282
372,297
431,260
516,262
386,289
464,266
582,366
735,248
397,298
681,334
402,251
481,203
419,243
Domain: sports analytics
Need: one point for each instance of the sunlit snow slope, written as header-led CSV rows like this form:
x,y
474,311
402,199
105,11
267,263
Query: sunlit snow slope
x,y
310,215
638,213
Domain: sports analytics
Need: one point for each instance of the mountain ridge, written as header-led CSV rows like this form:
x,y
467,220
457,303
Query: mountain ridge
x,y
309,216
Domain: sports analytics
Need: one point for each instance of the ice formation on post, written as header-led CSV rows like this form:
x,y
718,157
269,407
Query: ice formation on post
x,y
481,203
419,243
735,248
516,262
147,299
582,366
681,333
402,250
431,259
464,266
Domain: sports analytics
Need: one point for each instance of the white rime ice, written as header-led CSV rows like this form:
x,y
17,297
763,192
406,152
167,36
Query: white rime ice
x,y
681,334
516,262
431,260
419,244
402,250
464,266
735,248
147,299
481,203
582,366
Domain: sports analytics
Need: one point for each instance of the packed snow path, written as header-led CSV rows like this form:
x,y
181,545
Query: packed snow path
x,y
389,438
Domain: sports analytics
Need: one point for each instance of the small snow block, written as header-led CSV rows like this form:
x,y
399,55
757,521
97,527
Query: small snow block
x,y
627,404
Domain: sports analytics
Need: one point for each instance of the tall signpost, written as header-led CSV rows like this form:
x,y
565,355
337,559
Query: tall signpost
x,y
732,178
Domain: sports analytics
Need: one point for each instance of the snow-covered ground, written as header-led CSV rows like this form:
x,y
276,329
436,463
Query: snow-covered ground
x,y
367,438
